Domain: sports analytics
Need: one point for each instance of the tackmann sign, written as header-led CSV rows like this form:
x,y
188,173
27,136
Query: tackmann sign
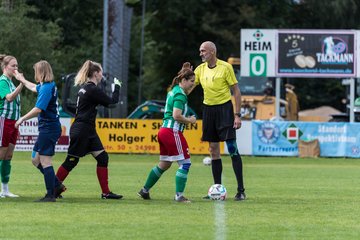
x,y
299,53
258,52
316,53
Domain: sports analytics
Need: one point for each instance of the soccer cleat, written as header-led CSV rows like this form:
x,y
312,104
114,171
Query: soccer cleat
x,y
111,195
144,195
58,190
240,196
47,198
8,194
182,199
206,197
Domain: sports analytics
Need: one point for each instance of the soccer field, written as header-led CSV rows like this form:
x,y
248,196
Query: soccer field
x,y
288,198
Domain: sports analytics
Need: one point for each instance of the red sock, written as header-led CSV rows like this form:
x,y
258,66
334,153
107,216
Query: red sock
x,y
62,173
102,174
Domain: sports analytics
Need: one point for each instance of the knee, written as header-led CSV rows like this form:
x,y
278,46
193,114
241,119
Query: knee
x,y
232,147
185,166
102,159
70,162
214,152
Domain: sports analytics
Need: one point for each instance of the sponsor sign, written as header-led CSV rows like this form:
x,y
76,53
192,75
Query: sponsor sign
x,y
316,53
258,52
275,138
29,134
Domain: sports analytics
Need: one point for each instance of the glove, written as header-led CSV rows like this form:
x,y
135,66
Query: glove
x,y
117,82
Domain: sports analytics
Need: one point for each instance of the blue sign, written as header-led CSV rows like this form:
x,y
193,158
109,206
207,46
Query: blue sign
x,y
280,138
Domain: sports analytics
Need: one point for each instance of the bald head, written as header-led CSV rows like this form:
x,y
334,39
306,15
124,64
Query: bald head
x,y
208,52
209,46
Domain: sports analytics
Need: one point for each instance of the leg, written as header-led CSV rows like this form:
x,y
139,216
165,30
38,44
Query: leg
x,y
102,159
238,168
154,175
181,179
216,164
49,175
66,167
6,153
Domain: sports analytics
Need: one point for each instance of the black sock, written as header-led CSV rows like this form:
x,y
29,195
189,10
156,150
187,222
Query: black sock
x,y
238,170
216,166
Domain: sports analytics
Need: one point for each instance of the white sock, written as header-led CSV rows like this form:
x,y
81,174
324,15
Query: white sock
x,y
4,187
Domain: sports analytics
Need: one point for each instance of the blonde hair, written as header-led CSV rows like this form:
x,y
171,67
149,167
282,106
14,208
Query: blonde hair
x,y
43,72
87,71
5,59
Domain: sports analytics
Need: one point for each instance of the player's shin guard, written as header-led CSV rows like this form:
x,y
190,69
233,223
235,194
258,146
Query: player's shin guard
x,y
238,170
180,180
102,174
216,167
5,171
66,167
153,177
49,177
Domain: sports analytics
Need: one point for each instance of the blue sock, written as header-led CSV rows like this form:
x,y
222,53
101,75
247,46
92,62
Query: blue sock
x,y
57,182
49,177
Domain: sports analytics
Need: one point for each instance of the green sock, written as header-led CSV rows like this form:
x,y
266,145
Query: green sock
x,y
5,171
153,177
1,167
180,180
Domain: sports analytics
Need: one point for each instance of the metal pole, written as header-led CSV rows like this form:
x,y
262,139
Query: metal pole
x,y
352,99
277,99
141,52
105,35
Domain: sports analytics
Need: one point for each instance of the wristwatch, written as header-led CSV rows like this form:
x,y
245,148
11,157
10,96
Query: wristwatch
x,y
237,114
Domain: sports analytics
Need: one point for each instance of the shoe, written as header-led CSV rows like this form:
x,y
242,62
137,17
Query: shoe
x,y
144,195
2,195
182,199
47,198
206,197
8,194
58,190
240,196
111,195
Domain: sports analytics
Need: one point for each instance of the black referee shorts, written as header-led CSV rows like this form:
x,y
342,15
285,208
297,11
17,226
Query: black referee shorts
x,y
218,122
83,140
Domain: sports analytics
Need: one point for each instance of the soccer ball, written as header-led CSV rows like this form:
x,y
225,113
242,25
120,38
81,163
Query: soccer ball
x,y
207,161
217,192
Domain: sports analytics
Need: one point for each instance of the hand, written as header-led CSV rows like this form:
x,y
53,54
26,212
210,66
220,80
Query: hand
x,y
192,119
18,123
237,122
19,76
117,82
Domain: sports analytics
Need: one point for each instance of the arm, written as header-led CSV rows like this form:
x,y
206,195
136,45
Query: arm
x,y
181,118
101,98
11,96
33,113
29,85
237,97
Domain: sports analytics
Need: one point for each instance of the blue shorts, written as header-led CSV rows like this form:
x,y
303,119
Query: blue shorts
x,y
45,143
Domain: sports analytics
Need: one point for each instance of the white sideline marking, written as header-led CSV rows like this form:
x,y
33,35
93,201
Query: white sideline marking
x,y
219,221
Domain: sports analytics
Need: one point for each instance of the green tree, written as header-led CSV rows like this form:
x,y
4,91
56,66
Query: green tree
x,y
29,40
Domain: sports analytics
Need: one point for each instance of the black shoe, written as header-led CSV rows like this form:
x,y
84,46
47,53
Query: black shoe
x,y
111,195
240,196
58,190
144,195
47,198
206,197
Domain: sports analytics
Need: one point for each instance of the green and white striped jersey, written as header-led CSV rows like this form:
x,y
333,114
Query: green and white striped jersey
x,y
8,110
178,99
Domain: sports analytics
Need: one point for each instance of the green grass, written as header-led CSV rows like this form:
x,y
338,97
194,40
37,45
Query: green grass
x,y
288,198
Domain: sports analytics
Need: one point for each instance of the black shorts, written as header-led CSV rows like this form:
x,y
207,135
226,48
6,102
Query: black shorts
x,y
83,140
218,122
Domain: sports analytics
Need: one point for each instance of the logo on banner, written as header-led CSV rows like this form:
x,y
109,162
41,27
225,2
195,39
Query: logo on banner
x,y
292,133
268,132
334,51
